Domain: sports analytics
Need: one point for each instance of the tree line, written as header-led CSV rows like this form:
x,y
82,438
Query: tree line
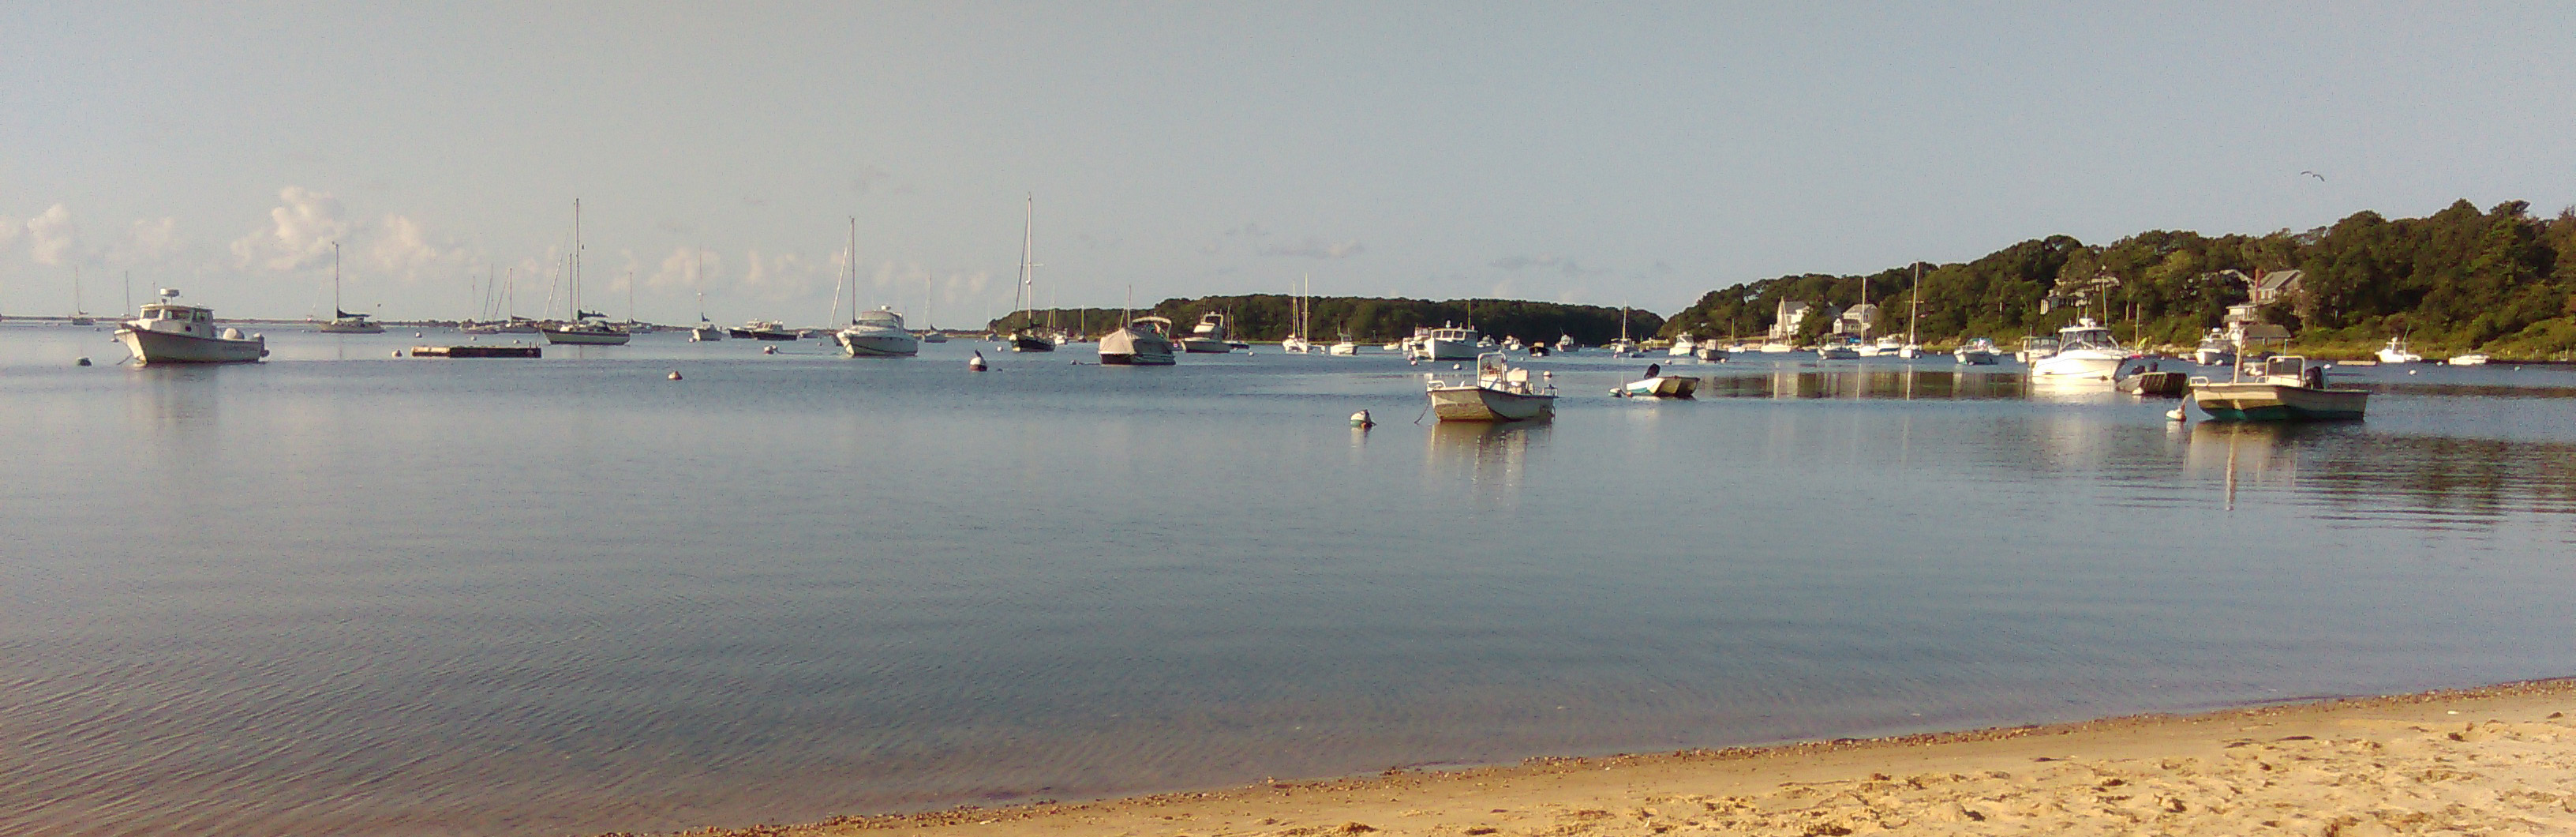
x,y
2457,280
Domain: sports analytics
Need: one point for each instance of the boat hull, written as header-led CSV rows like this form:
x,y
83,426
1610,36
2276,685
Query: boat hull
x,y
1028,343
163,347
1475,403
587,338
880,345
2078,365
1438,349
2255,401
1205,346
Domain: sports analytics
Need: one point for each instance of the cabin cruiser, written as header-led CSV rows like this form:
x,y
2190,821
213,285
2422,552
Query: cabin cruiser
x,y
1145,341
1683,346
2085,351
1448,342
1345,347
878,333
1979,351
2215,350
169,332
1208,337
1499,393
2395,352
764,330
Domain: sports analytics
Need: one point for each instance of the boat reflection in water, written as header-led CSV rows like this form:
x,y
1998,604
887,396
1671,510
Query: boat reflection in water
x,y
2363,478
1892,383
1494,457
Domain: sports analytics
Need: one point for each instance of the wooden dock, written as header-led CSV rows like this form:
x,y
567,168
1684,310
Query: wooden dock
x,y
478,351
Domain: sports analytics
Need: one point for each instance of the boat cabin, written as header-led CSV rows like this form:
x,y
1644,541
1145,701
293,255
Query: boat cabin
x,y
2085,334
174,318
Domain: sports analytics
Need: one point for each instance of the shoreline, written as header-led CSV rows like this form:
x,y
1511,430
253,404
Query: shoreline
x,y
2495,756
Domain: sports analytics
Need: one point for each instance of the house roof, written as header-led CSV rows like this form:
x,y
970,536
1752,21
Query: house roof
x,y
2278,279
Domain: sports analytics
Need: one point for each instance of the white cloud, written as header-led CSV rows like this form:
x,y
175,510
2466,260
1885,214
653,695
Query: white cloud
x,y
53,238
150,240
401,249
300,233
687,267
1316,248
781,277
9,230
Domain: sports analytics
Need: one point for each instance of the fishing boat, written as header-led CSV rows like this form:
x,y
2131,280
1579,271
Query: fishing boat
x,y
1209,336
2286,388
170,332
1448,342
706,331
1565,344
2395,352
1683,346
2085,352
1978,351
2468,360
2036,348
1144,341
1658,385
344,322
1498,393
586,328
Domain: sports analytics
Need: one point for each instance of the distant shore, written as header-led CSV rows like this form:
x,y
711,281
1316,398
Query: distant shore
x,y
2496,759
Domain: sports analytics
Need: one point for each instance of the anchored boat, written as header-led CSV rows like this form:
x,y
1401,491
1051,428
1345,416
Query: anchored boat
x,y
2287,388
1499,393
169,332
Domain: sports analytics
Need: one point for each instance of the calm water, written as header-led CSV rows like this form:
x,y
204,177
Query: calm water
x,y
340,593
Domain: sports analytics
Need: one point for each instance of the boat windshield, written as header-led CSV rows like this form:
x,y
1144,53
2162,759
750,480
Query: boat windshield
x,y
2095,337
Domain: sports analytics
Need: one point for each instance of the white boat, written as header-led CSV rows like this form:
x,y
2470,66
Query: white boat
x,y
587,328
169,332
1513,344
1209,336
1836,351
1622,347
1565,344
1978,351
2085,352
2395,352
878,333
706,330
1889,345
1710,351
343,322
1498,393
1659,385
2215,349
1144,341
1683,346
2287,388
2468,360
1297,342
1448,342
1344,347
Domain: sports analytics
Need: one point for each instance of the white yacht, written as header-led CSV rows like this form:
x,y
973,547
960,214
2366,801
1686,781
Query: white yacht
x,y
2468,360
2085,352
168,332
2395,352
1208,338
1565,344
2215,349
1979,351
1345,347
1145,341
1683,346
878,333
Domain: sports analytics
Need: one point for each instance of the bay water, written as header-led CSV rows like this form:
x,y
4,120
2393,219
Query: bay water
x,y
342,592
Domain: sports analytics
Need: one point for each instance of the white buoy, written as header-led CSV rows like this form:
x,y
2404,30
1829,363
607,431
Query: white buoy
x,y
1456,366
675,374
768,350
1361,420
2174,414
976,363
415,334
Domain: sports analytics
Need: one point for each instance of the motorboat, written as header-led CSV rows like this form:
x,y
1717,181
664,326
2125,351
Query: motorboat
x,y
1448,342
2035,348
1498,393
2395,352
2152,379
1622,347
1658,385
1836,351
705,332
170,332
1208,337
2215,350
1345,347
1565,344
1683,346
766,330
1710,351
1889,345
878,333
1978,351
2085,352
2468,360
2284,388
1514,344
1144,341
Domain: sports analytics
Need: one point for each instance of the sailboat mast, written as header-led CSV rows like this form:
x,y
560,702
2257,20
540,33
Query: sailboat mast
x,y
1914,306
1028,272
572,272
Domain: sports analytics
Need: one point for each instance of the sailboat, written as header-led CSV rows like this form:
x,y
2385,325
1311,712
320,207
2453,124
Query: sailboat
x,y
588,328
344,322
1296,341
706,331
79,317
929,333
1026,339
1913,311
1623,346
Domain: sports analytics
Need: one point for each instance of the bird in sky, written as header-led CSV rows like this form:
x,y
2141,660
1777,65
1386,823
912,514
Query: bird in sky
x,y
2320,178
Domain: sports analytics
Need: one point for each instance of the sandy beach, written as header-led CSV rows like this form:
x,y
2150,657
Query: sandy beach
x,y
2497,760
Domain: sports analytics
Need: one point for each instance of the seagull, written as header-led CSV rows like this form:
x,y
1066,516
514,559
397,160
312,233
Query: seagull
x,y
2320,178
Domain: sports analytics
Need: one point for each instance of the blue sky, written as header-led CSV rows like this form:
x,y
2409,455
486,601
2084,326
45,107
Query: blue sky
x,y
1609,154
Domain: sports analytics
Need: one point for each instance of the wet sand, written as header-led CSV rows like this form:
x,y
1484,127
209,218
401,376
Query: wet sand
x,y
2494,760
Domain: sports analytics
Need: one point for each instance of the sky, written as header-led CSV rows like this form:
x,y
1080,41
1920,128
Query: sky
x,y
1600,153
